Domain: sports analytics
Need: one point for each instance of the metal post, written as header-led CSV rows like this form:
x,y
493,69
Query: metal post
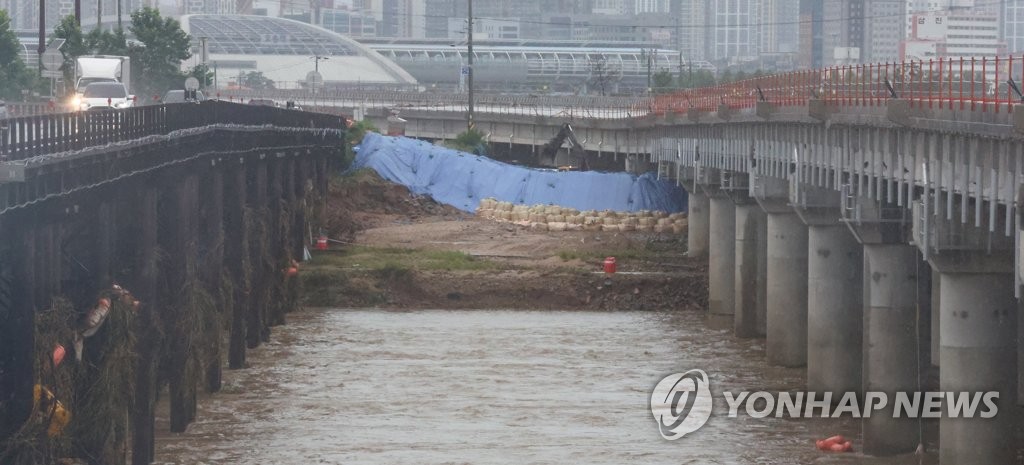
x,y
118,14
42,32
78,12
99,14
469,76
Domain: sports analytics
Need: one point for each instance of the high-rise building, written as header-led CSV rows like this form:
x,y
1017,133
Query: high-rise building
x,y
811,34
954,33
779,31
1013,25
883,30
688,16
612,7
650,6
732,29
403,18
436,21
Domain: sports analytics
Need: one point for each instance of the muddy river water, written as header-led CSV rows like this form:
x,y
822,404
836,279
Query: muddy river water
x,y
493,387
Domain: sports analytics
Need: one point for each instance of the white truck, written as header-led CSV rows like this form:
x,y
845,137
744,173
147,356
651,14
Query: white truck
x,y
102,68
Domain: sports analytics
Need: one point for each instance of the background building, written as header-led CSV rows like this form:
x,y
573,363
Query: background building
x,y
283,51
952,34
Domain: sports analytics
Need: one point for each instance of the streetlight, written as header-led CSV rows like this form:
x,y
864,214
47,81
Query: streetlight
x,y
469,76
318,58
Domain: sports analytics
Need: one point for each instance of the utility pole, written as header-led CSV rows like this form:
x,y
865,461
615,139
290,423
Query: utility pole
x,y
78,12
42,32
470,124
318,59
118,14
99,15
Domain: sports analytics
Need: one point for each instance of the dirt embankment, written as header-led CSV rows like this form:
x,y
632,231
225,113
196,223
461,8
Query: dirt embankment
x,y
402,251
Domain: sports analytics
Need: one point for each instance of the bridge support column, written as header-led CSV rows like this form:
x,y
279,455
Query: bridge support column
x,y
722,268
17,324
890,343
212,268
978,354
145,288
257,311
787,290
751,235
276,305
183,241
936,300
698,225
834,309
236,254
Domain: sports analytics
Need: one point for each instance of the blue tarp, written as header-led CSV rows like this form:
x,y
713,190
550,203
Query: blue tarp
x,y
461,179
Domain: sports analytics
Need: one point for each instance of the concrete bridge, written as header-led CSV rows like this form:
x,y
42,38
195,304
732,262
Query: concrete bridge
x,y
861,218
139,236
848,215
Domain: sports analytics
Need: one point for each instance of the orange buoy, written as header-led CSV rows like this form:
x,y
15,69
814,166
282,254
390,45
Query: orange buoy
x,y
292,271
834,444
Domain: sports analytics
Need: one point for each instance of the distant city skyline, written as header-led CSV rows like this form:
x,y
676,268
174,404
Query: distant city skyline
x,y
767,33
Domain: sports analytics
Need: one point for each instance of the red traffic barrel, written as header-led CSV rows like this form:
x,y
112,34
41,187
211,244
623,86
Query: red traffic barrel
x,y
609,265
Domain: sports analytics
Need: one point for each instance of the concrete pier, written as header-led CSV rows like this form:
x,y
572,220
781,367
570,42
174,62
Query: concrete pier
x,y
722,259
751,232
834,309
936,301
787,290
698,225
890,343
978,354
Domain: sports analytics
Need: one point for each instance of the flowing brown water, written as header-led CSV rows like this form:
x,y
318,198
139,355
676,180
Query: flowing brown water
x,y
492,387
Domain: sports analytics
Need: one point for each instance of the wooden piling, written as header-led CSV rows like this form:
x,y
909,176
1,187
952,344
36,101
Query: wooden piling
x,y
236,256
17,324
144,286
181,272
212,268
256,320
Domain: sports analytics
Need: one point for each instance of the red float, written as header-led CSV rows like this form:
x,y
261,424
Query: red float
x,y
609,265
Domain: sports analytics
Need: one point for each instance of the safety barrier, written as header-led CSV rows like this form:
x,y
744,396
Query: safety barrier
x,y
28,136
974,83
571,106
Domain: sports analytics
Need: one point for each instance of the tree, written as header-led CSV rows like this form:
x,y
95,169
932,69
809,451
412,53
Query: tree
x,y
105,42
662,81
74,44
203,73
164,45
256,80
698,78
14,76
601,75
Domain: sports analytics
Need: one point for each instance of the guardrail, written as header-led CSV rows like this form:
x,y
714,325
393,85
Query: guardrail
x,y
593,107
29,136
985,84
31,109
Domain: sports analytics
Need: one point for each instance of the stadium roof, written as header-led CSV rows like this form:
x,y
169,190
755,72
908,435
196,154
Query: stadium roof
x,y
284,50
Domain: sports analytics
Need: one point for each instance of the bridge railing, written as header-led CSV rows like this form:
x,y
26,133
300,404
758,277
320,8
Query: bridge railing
x,y
29,136
595,107
972,83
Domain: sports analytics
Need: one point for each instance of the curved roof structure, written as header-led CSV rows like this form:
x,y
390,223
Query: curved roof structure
x,y
284,50
509,63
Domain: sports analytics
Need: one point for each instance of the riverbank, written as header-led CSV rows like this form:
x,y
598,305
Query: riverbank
x,y
393,249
